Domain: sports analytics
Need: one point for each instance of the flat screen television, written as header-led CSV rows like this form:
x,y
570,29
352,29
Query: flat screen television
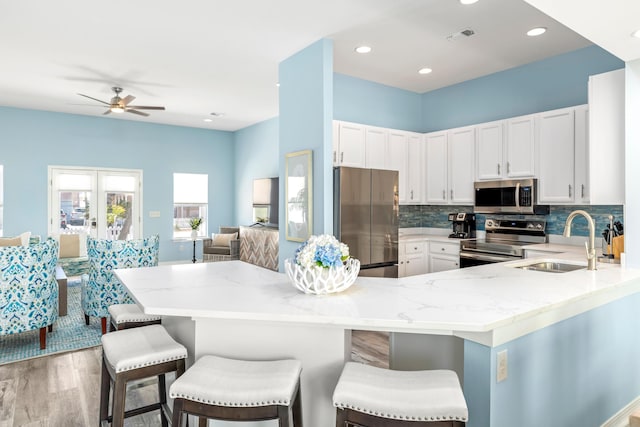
x,y
265,201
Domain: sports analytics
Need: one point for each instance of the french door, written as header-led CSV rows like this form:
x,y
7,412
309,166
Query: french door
x,y
102,203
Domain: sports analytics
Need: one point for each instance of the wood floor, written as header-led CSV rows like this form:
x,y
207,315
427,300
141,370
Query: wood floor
x,y
61,390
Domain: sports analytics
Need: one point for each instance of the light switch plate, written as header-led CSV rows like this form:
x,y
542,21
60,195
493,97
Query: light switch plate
x,y
154,214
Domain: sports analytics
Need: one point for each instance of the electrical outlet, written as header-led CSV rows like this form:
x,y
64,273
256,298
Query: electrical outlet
x,y
154,214
503,370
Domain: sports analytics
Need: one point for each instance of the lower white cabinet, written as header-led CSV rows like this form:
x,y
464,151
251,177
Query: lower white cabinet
x,y
443,256
412,258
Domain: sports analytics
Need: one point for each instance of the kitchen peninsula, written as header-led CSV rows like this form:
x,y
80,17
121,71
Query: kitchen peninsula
x,y
544,320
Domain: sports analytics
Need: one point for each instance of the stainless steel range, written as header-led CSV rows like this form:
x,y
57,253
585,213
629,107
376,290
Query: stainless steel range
x,y
504,241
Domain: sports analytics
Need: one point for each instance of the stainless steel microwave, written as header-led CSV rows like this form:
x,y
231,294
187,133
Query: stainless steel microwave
x,y
515,196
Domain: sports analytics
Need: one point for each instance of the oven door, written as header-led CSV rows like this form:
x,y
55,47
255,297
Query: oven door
x,y
471,259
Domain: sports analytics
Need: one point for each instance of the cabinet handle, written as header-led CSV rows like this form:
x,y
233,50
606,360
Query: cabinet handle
x,y
407,262
442,249
415,248
582,190
342,157
411,194
508,167
569,190
451,194
444,195
335,157
498,168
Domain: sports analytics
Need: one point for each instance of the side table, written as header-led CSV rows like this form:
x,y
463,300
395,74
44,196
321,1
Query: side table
x,y
61,277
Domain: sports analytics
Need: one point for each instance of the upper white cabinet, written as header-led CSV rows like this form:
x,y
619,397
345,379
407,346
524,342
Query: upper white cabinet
x,y
556,156
489,151
416,167
581,172
450,165
462,144
375,147
435,148
520,147
397,159
349,149
606,138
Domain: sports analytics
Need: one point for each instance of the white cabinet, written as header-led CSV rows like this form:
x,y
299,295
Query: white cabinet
x,y
606,138
581,172
412,258
415,163
556,156
349,149
375,147
520,147
397,158
461,158
443,256
450,165
436,168
489,151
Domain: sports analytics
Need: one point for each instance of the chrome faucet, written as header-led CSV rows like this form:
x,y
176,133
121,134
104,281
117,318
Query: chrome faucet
x,y
591,246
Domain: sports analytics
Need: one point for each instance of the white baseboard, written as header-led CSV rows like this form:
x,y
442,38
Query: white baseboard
x,y
621,419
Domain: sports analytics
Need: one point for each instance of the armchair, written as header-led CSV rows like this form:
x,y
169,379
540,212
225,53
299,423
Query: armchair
x,y
224,246
101,288
28,288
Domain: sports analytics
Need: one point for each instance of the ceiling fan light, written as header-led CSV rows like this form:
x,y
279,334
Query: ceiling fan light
x,y
117,110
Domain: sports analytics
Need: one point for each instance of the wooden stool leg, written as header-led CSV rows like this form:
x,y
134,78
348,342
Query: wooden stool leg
x,y
119,393
105,387
297,409
202,422
162,396
103,324
43,338
283,416
176,420
341,417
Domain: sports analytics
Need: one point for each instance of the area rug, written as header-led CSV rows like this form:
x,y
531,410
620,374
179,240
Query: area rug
x,y
69,333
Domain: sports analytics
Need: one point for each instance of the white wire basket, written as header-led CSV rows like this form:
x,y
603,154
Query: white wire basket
x,y
320,281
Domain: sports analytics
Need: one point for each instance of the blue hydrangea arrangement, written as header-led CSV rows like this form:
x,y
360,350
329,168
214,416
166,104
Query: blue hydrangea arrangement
x,y
322,251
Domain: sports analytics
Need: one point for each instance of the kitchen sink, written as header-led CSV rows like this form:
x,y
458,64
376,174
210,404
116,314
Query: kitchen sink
x,y
551,266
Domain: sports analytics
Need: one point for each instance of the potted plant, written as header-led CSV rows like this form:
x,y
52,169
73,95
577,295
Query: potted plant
x,y
195,224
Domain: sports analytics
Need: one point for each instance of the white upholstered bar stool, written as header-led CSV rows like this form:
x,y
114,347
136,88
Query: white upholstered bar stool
x,y
376,397
239,390
125,316
134,354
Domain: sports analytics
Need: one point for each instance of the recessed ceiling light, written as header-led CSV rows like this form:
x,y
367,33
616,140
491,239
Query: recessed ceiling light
x,y
536,31
468,1
425,70
363,49
208,120
636,34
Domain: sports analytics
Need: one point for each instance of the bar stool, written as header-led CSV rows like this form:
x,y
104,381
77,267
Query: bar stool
x,y
239,390
125,316
135,354
376,397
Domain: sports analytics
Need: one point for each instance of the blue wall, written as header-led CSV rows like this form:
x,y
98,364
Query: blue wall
x,y
557,82
30,141
306,111
362,101
256,156
578,372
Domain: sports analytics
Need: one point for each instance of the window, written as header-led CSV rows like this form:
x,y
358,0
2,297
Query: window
x,y
190,200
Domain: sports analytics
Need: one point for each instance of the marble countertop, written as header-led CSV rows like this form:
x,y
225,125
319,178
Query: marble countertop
x,y
490,304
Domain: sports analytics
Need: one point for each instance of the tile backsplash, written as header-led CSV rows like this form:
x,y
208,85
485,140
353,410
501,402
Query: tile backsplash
x,y
436,216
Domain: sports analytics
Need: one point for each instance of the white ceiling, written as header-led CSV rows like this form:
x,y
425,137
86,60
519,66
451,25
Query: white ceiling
x,y
201,56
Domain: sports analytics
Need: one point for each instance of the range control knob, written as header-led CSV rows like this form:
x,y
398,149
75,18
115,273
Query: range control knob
x,y
530,225
539,226
489,223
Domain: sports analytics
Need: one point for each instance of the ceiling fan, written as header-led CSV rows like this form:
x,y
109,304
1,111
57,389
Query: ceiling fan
x,y
122,105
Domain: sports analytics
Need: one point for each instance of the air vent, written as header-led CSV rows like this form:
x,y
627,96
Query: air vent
x,y
467,32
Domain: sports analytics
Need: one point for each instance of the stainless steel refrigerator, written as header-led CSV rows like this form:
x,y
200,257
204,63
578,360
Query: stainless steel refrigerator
x,y
365,217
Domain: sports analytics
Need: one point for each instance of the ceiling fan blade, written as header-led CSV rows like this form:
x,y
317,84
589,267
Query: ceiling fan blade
x,y
95,99
127,99
106,112
145,107
140,113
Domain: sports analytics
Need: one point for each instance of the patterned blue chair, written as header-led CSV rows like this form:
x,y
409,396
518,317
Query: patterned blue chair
x,y
28,288
101,288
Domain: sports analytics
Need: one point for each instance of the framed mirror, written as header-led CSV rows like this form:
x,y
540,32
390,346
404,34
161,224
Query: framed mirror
x,y
298,195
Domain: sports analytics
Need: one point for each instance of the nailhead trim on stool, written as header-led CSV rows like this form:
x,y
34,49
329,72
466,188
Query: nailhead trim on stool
x,y
239,390
125,316
134,354
382,397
